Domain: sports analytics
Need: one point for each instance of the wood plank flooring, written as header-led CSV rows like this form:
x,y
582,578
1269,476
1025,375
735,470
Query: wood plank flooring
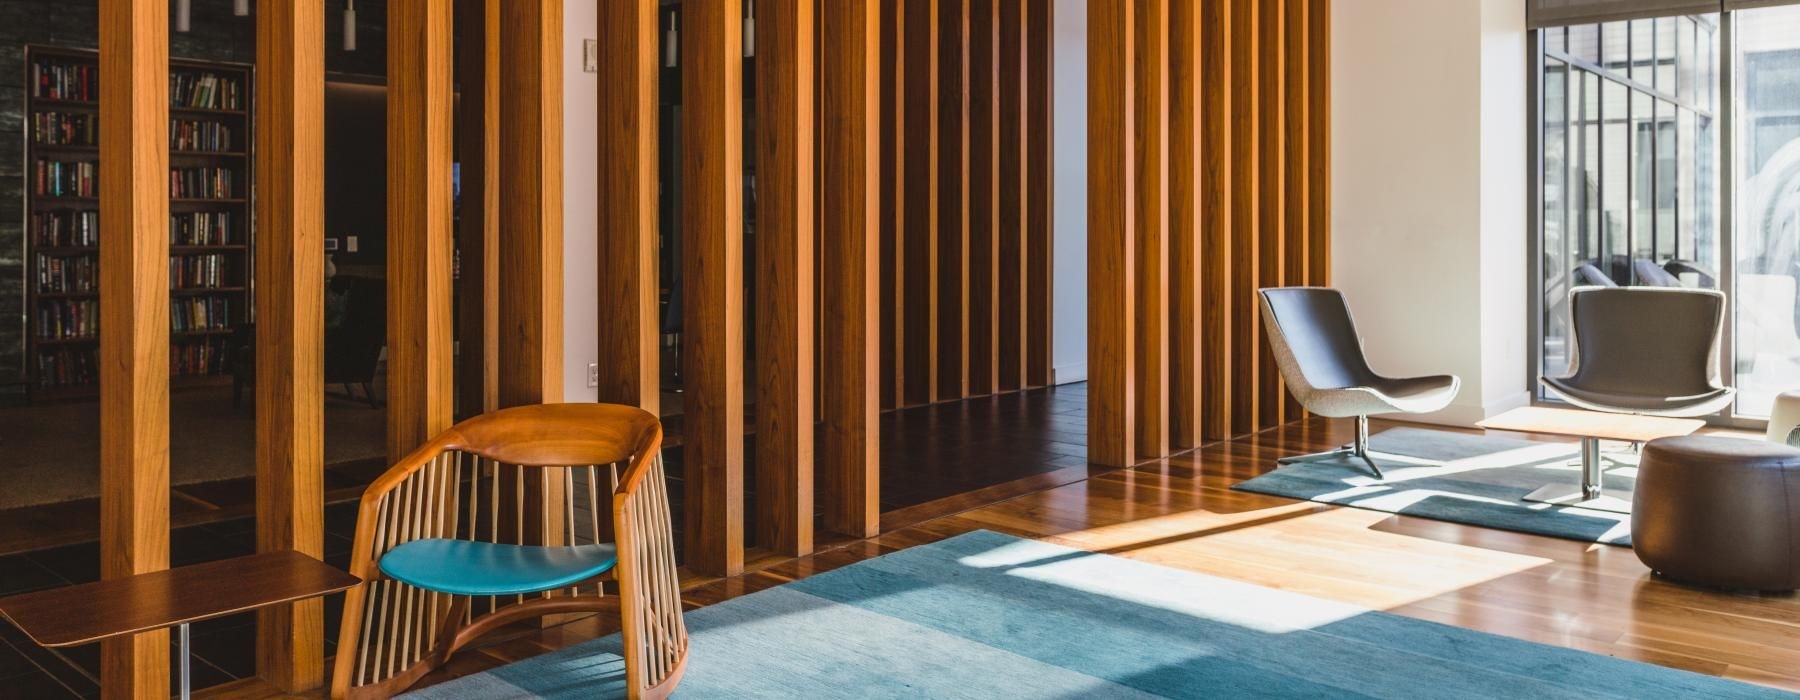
x,y
1180,512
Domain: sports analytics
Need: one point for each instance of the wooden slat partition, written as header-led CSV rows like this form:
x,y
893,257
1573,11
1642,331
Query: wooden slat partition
x,y
1039,33
852,158
1112,409
953,200
134,318
290,322
1237,103
478,226
1150,111
983,325
420,388
893,203
918,129
629,292
784,273
1012,328
713,285
1188,342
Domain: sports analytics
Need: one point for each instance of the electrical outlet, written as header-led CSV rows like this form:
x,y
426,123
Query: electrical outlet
x,y
350,244
590,56
593,375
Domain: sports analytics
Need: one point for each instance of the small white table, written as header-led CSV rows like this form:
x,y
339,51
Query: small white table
x,y
1591,427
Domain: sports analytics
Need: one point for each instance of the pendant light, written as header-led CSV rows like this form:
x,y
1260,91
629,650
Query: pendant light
x,y
349,25
241,8
671,43
750,30
184,15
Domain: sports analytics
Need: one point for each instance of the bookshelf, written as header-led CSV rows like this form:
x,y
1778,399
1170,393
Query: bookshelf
x,y
211,237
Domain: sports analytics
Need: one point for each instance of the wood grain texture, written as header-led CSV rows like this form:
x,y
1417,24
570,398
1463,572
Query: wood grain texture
x,y
919,261
851,474
290,343
1318,142
90,612
1297,160
1012,329
893,203
1039,225
1112,407
421,156
785,265
1272,164
134,313
984,194
531,203
713,284
1216,180
1246,221
1188,341
953,200
630,293
478,222
1151,165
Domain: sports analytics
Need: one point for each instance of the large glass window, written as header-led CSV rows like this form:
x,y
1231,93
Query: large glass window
x,y
1628,149
1767,224
1633,140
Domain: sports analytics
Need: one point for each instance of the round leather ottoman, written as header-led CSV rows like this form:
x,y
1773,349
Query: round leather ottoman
x,y
1719,511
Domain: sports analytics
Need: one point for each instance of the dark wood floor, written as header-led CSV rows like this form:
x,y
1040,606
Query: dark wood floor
x,y
936,459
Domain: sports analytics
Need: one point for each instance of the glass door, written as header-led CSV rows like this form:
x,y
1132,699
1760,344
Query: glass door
x,y
1766,151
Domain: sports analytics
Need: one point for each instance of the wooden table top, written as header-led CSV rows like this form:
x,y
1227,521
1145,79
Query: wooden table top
x,y
91,612
1579,423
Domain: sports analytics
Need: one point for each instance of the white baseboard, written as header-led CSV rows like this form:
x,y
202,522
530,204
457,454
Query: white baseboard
x,y
1069,374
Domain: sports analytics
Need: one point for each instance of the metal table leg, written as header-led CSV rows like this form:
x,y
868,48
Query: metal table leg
x,y
186,659
1588,494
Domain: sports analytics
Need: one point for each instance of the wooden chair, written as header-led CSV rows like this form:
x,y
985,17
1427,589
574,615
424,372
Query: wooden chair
x,y
452,547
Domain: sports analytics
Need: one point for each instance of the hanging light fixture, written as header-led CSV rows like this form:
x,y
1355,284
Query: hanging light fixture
x,y
241,8
349,25
184,15
671,40
750,30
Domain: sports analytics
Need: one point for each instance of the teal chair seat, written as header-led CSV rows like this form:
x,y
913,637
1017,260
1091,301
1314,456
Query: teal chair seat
x,y
461,567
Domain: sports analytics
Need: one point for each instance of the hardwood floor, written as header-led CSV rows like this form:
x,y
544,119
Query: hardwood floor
x,y
1180,512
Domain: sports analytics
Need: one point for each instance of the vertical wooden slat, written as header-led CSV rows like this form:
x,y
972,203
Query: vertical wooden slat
x,y
1187,342
1271,156
1246,323
1151,114
1318,142
1216,225
478,223
531,236
784,275
713,284
893,202
629,61
919,122
134,318
1112,409
852,467
983,192
290,322
1038,227
1012,328
953,200
1296,144
420,215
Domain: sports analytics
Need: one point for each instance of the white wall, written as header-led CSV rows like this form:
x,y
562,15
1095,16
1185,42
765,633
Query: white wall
x,y
581,172
1429,191
1069,183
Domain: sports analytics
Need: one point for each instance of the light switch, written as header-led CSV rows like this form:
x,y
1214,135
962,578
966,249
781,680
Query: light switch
x,y
350,244
590,56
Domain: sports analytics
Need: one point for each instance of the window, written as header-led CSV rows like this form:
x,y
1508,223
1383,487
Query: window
x,y
1633,186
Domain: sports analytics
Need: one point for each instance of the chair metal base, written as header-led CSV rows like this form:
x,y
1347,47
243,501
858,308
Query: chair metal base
x,y
1358,449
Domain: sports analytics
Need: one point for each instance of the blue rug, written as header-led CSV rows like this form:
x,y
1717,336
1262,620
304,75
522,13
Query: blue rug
x,y
1461,478
985,615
